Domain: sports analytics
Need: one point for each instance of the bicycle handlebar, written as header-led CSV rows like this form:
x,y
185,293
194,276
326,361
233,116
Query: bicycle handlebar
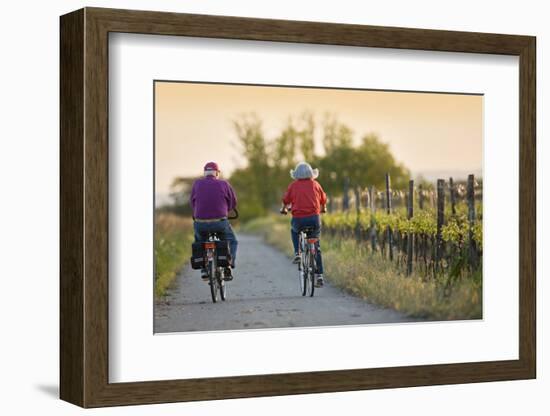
x,y
284,210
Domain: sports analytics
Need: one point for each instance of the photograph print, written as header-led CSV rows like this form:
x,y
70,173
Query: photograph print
x,y
296,206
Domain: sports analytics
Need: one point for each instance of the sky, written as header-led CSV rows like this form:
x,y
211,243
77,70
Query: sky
x,y
430,133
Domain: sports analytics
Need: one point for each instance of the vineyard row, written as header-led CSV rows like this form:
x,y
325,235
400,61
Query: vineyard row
x,y
442,240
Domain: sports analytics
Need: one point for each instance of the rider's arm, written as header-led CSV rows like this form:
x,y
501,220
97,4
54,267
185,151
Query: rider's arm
x,y
322,197
287,199
288,196
192,196
322,194
231,198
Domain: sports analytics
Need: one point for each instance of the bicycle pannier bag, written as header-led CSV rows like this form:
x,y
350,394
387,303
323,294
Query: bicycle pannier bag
x,y
197,256
223,254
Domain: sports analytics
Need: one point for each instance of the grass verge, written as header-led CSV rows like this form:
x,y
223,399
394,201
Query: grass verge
x,y
173,237
357,270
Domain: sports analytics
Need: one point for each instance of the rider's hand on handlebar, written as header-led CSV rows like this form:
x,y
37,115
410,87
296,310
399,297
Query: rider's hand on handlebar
x,y
323,209
283,210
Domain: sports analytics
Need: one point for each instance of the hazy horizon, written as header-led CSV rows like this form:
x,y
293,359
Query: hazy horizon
x,y
429,133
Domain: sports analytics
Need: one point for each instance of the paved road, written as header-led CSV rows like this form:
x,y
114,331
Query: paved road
x,y
263,294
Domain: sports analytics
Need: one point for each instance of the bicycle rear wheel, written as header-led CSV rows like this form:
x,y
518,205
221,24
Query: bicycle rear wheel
x,y
212,281
303,265
303,274
311,274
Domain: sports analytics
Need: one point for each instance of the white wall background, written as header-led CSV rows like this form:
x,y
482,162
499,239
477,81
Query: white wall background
x,y
29,225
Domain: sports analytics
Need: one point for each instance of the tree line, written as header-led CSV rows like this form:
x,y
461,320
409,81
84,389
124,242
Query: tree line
x,y
265,176
261,182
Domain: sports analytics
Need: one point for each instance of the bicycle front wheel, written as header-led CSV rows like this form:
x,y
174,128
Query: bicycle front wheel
x,y
222,285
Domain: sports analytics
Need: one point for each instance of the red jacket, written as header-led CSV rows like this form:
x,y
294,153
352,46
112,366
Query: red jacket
x,y
306,197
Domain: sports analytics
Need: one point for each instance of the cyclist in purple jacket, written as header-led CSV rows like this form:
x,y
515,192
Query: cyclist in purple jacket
x,y
211,199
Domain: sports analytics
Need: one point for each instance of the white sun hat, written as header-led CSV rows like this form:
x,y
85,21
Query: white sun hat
x,y
303,170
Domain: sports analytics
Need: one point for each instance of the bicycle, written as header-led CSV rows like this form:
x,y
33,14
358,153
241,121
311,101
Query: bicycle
x,y
216,274
307,251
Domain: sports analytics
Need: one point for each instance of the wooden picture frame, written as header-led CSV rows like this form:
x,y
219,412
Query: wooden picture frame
x,y
84,207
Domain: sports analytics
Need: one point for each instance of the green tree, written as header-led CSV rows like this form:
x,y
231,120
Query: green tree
x,y
283,159
335,134
249,199
377,160
253,183
364,165
306,137
180,191
252,140
295,143
336,164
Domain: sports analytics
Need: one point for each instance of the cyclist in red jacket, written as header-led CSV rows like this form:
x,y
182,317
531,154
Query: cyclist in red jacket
x,y
307,200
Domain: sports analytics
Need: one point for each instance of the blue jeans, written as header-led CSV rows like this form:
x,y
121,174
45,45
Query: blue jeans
x,y
296,224
224,230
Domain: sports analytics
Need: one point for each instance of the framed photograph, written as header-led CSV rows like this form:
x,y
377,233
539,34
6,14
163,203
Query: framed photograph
x,y
255,207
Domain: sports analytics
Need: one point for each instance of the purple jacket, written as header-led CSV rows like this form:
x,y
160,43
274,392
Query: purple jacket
x,y
212,198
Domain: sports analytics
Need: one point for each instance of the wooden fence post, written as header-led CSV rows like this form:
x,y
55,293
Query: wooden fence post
x,y
357,195
345,198
440,219
388,210
420,197
470,195
372,193
410,236
453,196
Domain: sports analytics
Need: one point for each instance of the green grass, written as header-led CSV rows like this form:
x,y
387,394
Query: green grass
x,y
274,229
367,275
173,238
